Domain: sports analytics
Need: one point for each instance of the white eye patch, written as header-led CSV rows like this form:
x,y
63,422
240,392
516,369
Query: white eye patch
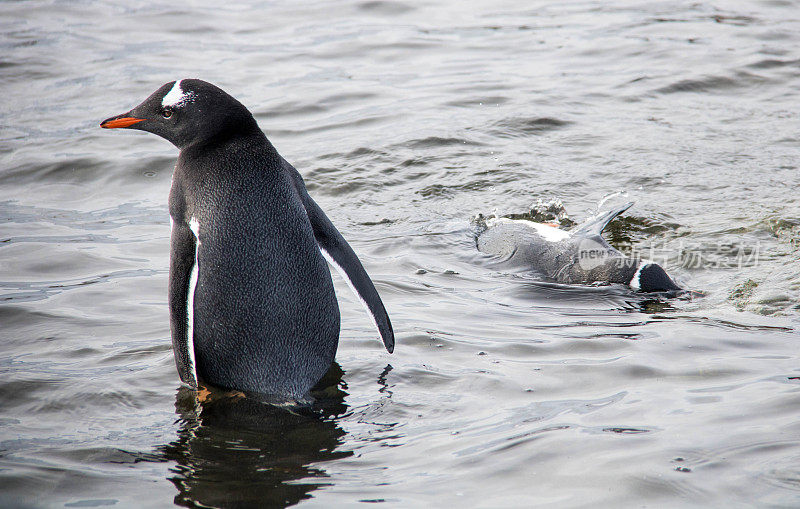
x,y
176,96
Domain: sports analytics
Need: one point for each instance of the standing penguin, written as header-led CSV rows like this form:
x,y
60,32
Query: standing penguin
x,y
252,304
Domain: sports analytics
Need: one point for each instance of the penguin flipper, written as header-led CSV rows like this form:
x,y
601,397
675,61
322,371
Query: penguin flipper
x,y
181,267
338,252
595,225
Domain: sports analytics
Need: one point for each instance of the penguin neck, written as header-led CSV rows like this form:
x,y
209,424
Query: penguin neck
x,y
248,143
619,270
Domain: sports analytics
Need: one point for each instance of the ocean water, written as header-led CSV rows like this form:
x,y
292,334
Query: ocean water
x,y
408,119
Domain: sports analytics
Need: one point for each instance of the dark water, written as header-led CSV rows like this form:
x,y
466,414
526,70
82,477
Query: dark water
x,y
406,120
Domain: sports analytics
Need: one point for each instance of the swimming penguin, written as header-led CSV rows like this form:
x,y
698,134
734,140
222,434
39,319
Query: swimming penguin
x,y
252,303
578,256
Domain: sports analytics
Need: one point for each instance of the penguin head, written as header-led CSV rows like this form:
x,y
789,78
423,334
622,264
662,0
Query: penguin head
x,y
185,112
650,277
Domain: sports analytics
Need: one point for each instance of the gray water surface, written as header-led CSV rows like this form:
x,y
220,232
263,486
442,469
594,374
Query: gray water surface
x,y
407,119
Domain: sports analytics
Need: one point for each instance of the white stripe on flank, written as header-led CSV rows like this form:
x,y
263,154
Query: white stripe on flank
x,y
194,225
342,273
635,283
547,232
176,96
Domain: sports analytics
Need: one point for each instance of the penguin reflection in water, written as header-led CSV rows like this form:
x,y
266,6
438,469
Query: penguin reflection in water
x,y
252,303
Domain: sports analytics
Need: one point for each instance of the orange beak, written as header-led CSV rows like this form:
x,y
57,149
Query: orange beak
x,y
114,123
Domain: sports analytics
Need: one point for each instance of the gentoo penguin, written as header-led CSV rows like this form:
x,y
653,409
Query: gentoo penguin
x,y
578,256
252,304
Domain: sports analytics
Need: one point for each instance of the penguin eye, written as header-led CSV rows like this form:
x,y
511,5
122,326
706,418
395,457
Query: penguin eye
x,y
166,112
